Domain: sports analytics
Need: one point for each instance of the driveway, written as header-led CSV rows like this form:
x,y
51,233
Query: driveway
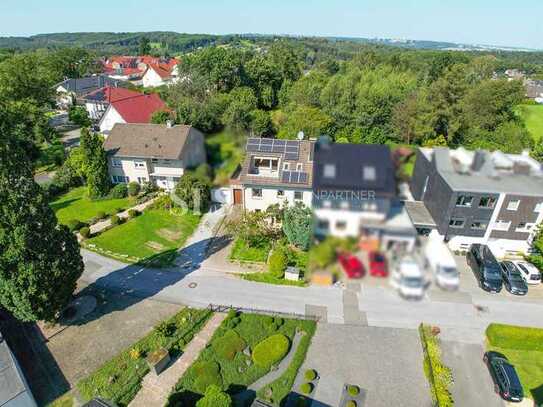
x,y
472,383
385,362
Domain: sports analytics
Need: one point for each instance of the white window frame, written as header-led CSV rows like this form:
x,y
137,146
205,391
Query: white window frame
x,y
301,198
501,225
538,207
526,229
286,166
268,168
484,225
299,167
513,205
490,198
139,165
463,204
254,196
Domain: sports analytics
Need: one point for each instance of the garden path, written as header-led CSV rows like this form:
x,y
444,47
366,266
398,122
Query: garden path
x,y
156,389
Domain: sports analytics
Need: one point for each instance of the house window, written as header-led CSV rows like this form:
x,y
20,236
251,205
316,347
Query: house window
x,y
344,205
119,179
286,166
369,173
487,202
502,225
341,225
298,195
513,205
280,193
524,227
327,203
117,163
457,223
539,207
154,160
299,167
329,171
139,164
269,164
479,225
256,193
323,224
464,200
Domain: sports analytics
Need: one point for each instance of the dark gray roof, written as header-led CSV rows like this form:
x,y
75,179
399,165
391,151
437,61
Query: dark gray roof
x,y
349,162
14,391
147,140
82,86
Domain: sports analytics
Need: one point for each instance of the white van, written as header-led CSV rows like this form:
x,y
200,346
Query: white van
x,y
441,263
408,278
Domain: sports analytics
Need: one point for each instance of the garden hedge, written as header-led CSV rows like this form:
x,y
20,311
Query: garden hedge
x,y
229,344
271,350
207,374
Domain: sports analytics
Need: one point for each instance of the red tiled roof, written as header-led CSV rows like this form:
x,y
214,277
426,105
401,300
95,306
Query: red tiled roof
x,y
111,94
139,109
163,70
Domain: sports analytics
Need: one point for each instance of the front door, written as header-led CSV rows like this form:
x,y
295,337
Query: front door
x,y
237,197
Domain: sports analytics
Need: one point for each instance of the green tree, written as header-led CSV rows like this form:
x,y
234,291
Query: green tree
x,y
214,397
261,124
144,46
242,102
311,120
192,192
95,163
161,117
79,115
39,259
298,225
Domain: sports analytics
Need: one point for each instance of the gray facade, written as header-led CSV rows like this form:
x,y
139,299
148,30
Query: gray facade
x,y
525,213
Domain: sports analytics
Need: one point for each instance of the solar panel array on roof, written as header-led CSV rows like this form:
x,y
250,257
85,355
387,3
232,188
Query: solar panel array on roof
x,y
294,177
289,148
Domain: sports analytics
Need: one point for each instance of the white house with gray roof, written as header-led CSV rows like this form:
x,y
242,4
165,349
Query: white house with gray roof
x,y
482,197
154,153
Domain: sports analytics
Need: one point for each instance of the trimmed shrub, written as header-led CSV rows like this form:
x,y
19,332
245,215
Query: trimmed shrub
x,y
278,263
84,232
115,220
133,188
306,388
351,403
100,215
228,345
132,213
353,390
271,350
310,375
214,397
74,225
165,329
119,191
207,374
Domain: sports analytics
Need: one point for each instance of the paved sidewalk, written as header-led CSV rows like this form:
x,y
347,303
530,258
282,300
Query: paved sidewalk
x,y
156,389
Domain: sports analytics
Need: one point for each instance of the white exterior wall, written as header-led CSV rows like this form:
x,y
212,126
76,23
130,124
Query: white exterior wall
x,y
352,219
151,79
110,118
269,197
162,174
499,247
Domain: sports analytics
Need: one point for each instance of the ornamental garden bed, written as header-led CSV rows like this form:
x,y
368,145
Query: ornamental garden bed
x,y
119,379
245,348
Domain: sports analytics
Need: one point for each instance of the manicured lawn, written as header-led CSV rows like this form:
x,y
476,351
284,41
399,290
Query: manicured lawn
x,y
225,363
224,155
119,379
533,118
75,204
524,349
242,252
152,237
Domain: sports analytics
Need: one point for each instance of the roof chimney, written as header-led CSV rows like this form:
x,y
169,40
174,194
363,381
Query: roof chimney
x,y
478,160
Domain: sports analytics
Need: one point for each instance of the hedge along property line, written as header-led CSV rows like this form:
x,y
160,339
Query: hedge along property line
x,y
281,387
120,378
439,375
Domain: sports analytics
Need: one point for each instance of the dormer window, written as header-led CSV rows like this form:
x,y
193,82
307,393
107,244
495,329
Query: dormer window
x,y
369,173
286,166
329,171
266,164
299,167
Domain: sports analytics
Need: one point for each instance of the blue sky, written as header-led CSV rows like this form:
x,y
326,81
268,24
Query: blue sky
x,y
496,22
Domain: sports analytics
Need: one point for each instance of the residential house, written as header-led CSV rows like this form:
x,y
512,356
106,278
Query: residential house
x,y
274,172
161,73
153,153
14,389
98,101
354,194
534,90
481,197
69,90
137,109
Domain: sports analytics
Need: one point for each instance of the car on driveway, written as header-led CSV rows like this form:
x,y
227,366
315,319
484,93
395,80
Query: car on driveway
x,y
486,267
377,264
351,265
506,381
512,279
529,272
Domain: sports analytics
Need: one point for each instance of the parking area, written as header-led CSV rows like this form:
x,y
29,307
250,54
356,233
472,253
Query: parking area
x,y
386,363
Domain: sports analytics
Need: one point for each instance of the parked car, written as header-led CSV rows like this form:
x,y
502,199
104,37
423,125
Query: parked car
x,y
408,278
351,265
486,267
529,272
441,263
506,381
512,279
378,264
